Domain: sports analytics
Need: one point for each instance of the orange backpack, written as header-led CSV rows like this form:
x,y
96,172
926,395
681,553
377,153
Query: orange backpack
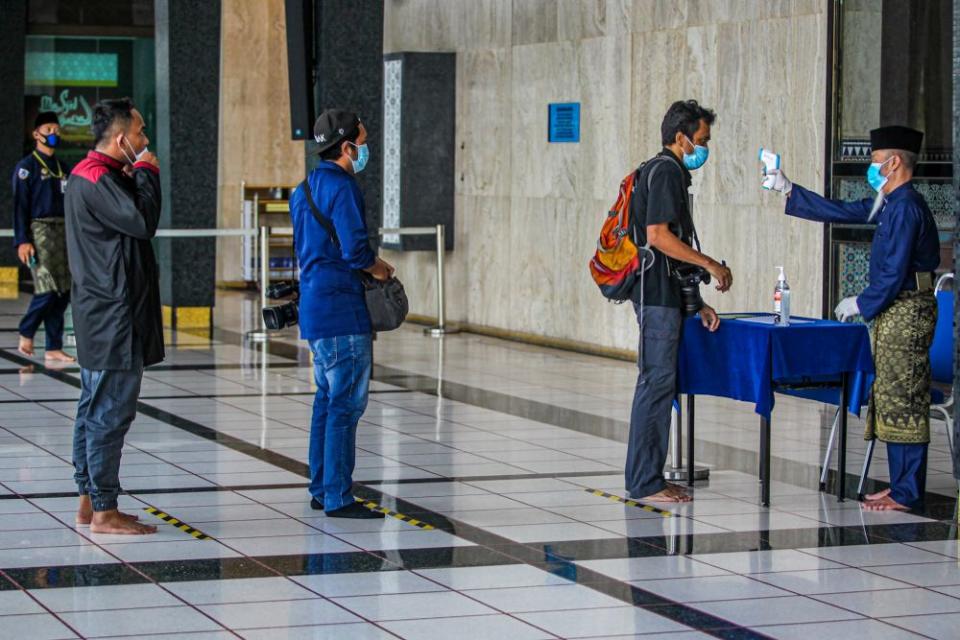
x,y
616,264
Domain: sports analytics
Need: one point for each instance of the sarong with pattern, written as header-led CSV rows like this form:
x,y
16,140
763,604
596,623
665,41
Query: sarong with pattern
x,y
900,399
52,272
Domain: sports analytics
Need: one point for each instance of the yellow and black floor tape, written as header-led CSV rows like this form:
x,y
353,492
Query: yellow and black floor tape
x,y
629,503
183,526
373,506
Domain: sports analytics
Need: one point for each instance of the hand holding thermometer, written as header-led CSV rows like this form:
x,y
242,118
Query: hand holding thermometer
x,y
770,162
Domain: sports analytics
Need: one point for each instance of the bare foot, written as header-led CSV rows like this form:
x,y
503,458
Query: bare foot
x,y
26,346
671,494
59,355
85,512
115,522
876,496
885,503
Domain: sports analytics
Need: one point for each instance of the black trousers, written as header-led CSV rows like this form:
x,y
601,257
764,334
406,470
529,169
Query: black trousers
x,y
48,309
661,329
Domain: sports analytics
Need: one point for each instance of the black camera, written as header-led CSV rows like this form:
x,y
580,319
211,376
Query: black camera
x,y
283,315
689,276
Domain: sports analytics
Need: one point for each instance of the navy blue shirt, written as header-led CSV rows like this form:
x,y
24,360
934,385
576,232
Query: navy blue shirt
x,y
332,301
905,243
37,192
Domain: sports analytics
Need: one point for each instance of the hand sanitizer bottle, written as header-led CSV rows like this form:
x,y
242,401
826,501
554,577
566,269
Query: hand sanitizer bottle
x,y
781,301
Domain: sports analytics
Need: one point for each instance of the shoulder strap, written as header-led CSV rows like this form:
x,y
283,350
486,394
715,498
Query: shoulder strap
x,y
326,224
653,164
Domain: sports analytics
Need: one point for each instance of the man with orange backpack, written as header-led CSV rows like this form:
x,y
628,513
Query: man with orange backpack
x,y
667,290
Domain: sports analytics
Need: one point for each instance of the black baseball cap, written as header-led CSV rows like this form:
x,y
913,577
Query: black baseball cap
x,y
333,127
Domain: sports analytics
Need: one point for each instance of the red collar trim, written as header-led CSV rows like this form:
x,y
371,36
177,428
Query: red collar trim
x,y
103,158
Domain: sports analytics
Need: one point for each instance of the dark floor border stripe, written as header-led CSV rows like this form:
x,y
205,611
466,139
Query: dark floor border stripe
x,y
224,367
555,557
215,569
171,490
514,476
202,396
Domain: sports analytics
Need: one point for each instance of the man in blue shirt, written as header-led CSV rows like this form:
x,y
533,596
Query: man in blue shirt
x,y
39,182
899,300
333,311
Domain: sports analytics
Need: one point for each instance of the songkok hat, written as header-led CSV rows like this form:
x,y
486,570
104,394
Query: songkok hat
x,y
896,137
45,117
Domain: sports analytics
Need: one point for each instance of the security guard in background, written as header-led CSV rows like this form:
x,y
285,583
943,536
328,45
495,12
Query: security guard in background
x,y
39,182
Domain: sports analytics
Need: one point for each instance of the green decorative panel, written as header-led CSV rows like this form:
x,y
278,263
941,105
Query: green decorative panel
x,y
853,268
69,69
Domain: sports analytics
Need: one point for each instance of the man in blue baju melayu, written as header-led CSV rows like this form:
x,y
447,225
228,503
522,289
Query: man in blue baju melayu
x,y
899,300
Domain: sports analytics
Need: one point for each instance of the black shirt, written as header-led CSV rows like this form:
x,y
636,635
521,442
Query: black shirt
x,y
668,201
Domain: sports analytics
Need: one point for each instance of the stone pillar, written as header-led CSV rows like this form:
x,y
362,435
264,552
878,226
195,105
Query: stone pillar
x,y
348,37
13,34
186,140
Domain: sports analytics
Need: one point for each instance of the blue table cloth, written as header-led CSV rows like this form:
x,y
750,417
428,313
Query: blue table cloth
x,y
749,360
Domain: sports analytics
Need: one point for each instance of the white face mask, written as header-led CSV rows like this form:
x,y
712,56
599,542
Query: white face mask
x,y
136,156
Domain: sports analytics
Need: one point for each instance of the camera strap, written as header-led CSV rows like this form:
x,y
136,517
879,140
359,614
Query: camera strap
x,y
645,248
645,251
326,224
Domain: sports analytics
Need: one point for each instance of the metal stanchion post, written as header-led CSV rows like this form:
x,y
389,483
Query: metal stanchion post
x,y
441,328
262,335
677,471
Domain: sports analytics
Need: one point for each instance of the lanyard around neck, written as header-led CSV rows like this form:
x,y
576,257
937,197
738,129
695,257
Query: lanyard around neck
x,y
58,174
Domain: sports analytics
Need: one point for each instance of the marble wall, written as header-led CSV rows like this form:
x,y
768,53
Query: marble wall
x,y
254,142
528,212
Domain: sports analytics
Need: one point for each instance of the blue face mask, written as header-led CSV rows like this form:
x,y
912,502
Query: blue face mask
x,y
696,159
51,140
874,177
363,155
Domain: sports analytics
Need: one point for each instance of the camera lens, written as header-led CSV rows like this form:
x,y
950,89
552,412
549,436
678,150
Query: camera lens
x,y
280,316
281,290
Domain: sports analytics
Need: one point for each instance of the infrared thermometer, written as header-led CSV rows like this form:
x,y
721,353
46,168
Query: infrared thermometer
x,y
770,160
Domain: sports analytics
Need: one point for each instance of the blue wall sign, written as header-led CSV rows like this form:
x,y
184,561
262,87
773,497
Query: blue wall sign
x,y
564,122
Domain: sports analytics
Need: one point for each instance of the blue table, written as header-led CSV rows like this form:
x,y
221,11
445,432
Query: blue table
x,y
750,358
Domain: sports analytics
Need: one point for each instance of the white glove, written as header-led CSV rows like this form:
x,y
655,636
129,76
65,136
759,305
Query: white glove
x,y
776,180
847,309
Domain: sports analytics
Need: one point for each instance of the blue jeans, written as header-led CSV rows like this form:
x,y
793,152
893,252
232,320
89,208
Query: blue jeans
x,y
49,309
107,407
341,369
